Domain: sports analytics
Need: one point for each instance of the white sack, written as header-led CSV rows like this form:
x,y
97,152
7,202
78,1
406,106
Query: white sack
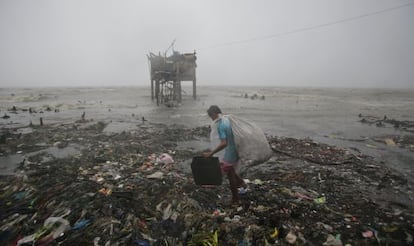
x,y
251,143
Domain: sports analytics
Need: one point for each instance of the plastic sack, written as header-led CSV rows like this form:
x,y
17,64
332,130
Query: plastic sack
x,y
165,159
55,226
251,143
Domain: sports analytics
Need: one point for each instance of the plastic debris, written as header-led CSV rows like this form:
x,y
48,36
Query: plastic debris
x,y
106,191
325,226
275,233
368,234
165,159
242,190
333,240
320,200
291,237
218,212
81,224
156,175
167,212
110,182
204,238
371,146
19,195
390,228
389,142
140,242
96,241
409,238
236,218
53,227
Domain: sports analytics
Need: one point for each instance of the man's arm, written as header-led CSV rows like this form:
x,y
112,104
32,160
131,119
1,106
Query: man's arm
x,y
221,146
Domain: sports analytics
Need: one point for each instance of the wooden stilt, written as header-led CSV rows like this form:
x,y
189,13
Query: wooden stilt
x,y
179,91
157,91
152,90
194,89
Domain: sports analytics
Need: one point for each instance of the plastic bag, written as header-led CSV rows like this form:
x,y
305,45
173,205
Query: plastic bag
x,y
251,143
54,225
165,159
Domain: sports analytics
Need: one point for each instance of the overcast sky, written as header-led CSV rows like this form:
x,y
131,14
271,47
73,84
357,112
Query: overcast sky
x,y
261,42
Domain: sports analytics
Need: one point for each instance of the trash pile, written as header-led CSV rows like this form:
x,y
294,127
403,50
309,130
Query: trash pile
x,y
135,188
311,151
405,125
404,141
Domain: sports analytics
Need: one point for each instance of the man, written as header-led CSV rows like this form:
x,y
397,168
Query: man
x,y
230,159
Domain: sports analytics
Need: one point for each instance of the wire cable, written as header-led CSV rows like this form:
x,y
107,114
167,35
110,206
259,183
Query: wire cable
x,y
304,29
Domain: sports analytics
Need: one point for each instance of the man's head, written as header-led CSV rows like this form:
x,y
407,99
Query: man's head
x,y
213,111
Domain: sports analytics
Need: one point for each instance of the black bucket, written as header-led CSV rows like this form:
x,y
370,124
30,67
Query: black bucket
x,y
206,171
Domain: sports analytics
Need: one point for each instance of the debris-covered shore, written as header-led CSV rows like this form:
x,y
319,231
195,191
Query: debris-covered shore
x,y
116,189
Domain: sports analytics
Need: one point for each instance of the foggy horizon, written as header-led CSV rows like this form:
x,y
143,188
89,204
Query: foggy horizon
x,y
323,43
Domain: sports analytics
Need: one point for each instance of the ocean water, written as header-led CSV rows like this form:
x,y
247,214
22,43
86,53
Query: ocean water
x,y
324,114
